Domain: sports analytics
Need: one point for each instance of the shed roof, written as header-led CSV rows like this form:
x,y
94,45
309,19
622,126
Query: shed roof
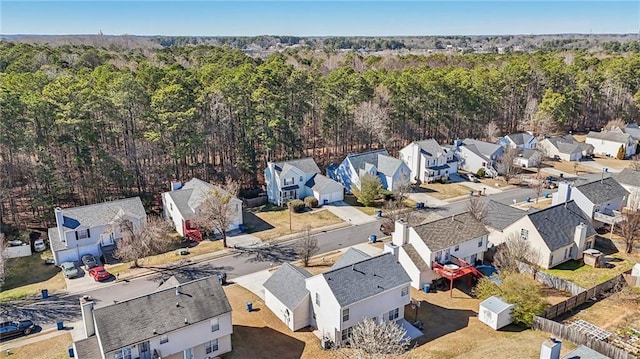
x,y
495,304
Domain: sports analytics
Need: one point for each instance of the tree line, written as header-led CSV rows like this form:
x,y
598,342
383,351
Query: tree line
x,y
81,124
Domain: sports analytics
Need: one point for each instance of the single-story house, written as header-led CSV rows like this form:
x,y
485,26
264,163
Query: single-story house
x,y
495,312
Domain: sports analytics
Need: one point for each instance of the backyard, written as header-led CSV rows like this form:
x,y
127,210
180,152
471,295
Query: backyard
x,y
28,275
587,276
272,222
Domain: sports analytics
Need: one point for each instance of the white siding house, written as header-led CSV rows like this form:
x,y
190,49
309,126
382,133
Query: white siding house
x,y
428,161
630,180
565,148
392,172
286,295
474,155
521,140
608,142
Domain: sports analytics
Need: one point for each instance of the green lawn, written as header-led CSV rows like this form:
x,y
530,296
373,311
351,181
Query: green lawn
x,y
587,276
28,275
371,210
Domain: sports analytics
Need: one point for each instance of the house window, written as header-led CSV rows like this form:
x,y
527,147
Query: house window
x,y
164,339
301,179
171,206
456,248
318,299
393,314
524,234
188,353
82,234
550,260
587,245
480,243
215,324
405,292
345,314
124,353
566,253
211,346
346,333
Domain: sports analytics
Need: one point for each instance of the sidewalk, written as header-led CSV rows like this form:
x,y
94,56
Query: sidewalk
x,y
429,201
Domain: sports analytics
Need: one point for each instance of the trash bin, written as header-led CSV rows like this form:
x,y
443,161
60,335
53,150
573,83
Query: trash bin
x,y
470,193
426,288
379,213
45,293
546,195
373,238
60,325
528,199
241,227
249,306
70,351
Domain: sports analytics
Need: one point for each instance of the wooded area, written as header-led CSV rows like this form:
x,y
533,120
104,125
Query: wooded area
x,y
81,124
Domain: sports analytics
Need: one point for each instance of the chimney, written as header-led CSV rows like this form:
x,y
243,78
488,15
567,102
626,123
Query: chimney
x,y
579,237
178,290
400,235
86,307
391,248
60,224
551,349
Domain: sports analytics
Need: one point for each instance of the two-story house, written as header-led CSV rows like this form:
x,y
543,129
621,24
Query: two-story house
x,y
420,249
355,288
86,229
392,172
500,216
474,155
601,200
190,321
297,179
630,180
521,140
555,234
428,161
608,143
180,205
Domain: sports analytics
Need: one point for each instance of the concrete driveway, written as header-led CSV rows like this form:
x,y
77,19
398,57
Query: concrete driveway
x,y
85,282
348,213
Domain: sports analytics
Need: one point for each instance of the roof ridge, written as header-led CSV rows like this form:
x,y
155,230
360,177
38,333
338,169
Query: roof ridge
x,y
362,261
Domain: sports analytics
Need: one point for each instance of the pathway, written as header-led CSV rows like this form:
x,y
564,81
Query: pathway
x,y
348,213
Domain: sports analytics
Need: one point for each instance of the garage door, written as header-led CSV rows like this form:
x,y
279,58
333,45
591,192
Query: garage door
x,y
74,254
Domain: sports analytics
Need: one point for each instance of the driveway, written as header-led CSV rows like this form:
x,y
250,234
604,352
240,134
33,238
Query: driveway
x,y
348,213
429,201
85,282
481,187
242,240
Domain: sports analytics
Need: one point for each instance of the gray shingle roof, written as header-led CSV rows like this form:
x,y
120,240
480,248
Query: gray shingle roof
x,y
388,165
450,231
288,285
415,257
359,160
191,195
351,256
613,136
557,224
365,279
600,191
319,182
520,138
134,321
527,153
484,148
474,149
633,130
583,352
430,147
629,177
500,216
88,348
306,165
54,240
103,213
565,144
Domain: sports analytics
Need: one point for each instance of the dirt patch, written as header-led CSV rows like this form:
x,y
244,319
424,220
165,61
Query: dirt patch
x,y
572,167
53,348
272,224
552,295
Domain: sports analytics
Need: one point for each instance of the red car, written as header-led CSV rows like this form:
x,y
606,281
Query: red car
x,y
99,273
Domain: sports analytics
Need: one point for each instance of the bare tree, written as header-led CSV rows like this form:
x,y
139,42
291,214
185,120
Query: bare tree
x,y
478,208
153,237
491,130
617,123
635,163
306,246
372,118
369,339
394,206
514,250
545,124
506,164
538,184
3,259
218,210
630,226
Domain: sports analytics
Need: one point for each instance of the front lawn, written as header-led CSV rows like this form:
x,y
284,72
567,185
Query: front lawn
x,y
444,190
371,210
28,275
587,276
52,348
275,223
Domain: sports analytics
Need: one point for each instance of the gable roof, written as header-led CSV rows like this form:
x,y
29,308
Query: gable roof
x,y
415,257
495,304
520,138
388,165
103,213
351,256
485,148
565,144
306,165
88,348
600,191
359,160
527,153
288,285
613,136
188,198
319,182
629,177
556,224
633,130
365,279
429,147
500,216
135,320
450,231
474,149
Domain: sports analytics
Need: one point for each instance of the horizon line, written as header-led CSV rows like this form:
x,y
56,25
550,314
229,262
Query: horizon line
x,y
312,36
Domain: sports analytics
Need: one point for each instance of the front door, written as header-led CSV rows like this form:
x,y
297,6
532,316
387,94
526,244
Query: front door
x,y
144,350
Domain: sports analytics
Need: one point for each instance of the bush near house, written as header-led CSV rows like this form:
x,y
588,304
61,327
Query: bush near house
x,y
481,173
621,153
311,202
296,205
444,179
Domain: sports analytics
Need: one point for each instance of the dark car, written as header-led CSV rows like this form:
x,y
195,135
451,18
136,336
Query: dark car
x,y
13,328
89,261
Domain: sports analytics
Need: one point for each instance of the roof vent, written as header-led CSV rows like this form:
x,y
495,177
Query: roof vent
x,y
177,304
177,290
186,321
155,332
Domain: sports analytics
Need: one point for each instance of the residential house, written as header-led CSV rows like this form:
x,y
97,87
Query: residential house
x,y
634,130
459,237
565,148
181,204
521,140
601,200
608,143
359,287
87,229
297,179
630,180
191,320
428,161
556,234
474,155
498,217
527,158
392,172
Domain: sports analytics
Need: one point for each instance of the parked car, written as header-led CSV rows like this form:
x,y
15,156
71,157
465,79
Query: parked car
x,y
15,243
89,261
16,327
99,274
69,269
39,245
473,178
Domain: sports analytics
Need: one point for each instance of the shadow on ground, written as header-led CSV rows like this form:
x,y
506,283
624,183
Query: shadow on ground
x,y
42,311
267,253
254,223
263,342
438,321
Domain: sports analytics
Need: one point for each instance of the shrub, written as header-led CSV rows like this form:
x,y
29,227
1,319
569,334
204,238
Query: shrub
x,y
621,153
444,179
311,202
296,205
481,173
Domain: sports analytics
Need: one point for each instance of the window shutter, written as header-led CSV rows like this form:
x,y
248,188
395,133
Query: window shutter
x,y
88,233
76,232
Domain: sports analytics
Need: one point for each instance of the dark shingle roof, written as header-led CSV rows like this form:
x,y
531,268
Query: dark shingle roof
x,y
449,231
103,213
88,348
306,165
288,285
430,147
350,257
583,352
415,257
134,321
318,182
520,138
500,216
557,224
629,177
366,278
600,191
613,136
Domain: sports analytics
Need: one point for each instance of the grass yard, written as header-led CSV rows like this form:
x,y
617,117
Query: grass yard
x,y
28,275
444,190
52,348
353,202
587,276
613,162
542,203
569,167
274,224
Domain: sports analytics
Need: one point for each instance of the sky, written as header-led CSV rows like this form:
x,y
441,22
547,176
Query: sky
x,y
318,18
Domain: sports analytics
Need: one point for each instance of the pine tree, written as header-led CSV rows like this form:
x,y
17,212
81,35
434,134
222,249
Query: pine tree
x,y
621,152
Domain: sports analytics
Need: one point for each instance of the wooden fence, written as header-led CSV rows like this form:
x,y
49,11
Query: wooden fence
x,y
550,280
255,202
573,335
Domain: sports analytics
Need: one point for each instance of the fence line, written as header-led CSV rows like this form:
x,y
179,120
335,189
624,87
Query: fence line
x,y
550,280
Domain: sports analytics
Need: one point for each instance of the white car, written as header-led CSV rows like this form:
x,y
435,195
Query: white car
x,y
39,245
473,178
